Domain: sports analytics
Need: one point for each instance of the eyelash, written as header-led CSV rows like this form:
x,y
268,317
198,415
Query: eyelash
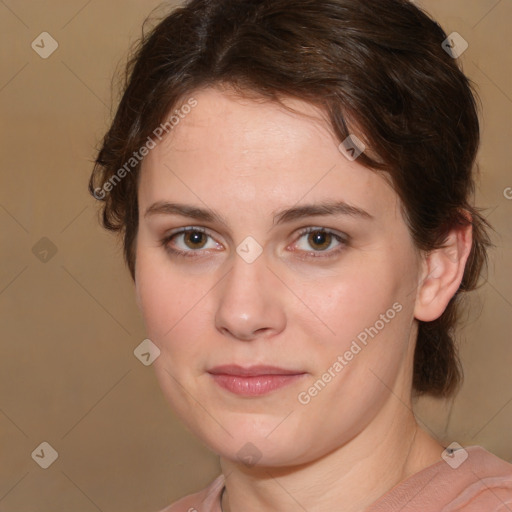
x,y
342,239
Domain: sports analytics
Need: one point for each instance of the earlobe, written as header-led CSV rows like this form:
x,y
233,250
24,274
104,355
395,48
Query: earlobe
x,y
443,270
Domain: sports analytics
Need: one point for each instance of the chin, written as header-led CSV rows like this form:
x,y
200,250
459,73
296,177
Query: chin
x,y
250,447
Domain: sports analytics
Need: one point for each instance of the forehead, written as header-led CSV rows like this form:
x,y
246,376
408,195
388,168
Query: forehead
x,y
252,127
257,151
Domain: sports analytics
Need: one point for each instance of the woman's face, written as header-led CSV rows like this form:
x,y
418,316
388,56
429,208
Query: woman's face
x,y
334,308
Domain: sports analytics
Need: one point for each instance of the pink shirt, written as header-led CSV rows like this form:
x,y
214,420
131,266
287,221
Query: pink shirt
x,y
482,483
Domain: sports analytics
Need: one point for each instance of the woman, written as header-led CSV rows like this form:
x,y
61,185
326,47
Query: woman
x,y
293,181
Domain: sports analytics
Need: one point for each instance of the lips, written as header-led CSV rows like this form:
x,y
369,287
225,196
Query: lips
x,y
253,380
252,371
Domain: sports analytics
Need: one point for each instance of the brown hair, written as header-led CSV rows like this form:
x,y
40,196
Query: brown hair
x,y
375,67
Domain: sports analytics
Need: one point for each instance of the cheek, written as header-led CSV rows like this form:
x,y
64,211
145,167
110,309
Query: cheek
x,y
161,298
168,309
346,303
364,315
172,305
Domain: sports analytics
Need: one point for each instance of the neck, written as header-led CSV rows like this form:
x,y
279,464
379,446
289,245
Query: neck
x,y
349,479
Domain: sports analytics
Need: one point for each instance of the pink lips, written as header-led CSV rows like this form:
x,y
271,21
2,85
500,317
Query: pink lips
x,y
253,380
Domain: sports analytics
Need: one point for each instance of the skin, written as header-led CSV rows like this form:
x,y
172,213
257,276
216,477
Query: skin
x,y
296,306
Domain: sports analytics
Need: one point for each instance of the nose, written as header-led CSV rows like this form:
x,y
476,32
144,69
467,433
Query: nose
x,y
250,302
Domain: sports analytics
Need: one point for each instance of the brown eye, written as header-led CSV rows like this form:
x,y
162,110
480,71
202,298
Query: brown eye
x,y
195,239
191,242
320,240
316,242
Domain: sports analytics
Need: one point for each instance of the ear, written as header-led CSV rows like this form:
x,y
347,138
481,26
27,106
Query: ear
x,y
442,272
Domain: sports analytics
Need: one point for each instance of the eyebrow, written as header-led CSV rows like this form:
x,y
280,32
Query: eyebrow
x,y
288,215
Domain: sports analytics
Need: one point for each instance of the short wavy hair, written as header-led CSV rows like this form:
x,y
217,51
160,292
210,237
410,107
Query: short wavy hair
x,y
376,68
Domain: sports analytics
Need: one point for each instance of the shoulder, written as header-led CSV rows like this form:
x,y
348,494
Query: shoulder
x,y
206,500
475,480
485,483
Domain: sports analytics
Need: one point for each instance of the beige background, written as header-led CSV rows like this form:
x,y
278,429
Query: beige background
x,y
68,375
